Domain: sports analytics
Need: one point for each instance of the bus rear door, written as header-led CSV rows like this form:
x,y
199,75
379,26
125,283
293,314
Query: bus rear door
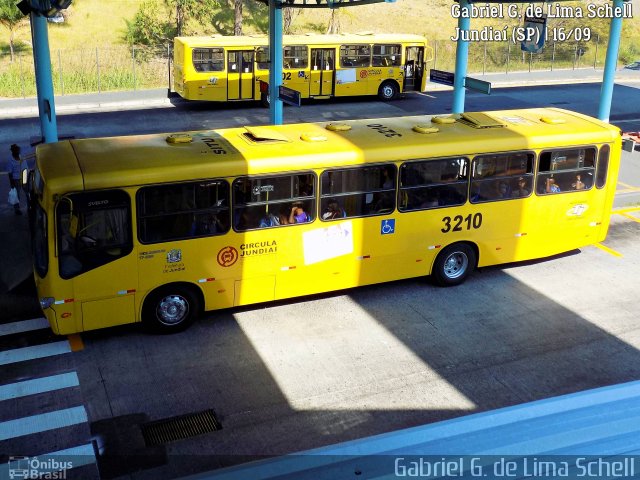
x,y
413,69
322,72
240,81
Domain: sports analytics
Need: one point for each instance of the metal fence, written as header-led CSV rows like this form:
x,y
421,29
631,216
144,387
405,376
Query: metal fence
x,y
88,71
505,57
122,68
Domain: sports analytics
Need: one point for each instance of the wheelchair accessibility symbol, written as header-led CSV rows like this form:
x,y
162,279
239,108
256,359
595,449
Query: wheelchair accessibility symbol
x,y
388,227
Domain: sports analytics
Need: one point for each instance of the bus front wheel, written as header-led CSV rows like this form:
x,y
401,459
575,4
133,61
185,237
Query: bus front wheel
x,y
454,264
170,309
265,101
388,91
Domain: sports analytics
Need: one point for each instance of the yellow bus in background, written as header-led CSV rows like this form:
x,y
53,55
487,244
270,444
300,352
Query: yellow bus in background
x,y
233,68
159,228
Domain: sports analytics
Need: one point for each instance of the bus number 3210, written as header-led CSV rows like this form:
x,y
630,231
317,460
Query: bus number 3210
x,y
459,223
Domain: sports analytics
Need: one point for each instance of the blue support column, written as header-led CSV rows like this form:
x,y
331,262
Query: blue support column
x,y
610,64
462,55
275,54
44,81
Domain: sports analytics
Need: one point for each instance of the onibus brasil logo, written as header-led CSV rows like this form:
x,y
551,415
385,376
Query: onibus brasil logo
x,y
37,468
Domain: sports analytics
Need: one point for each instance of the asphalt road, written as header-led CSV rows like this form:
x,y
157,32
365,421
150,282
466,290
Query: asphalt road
x,y
289,376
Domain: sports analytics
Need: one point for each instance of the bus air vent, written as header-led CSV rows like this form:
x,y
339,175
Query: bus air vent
x,y
338,127
553,120
480,120
179,138
177,428
444,120
313,137
264,135
425,128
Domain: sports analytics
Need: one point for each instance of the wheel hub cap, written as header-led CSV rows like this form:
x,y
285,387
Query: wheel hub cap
x,y
172,309
455,265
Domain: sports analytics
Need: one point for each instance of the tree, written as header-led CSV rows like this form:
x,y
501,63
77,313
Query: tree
x,y
11,18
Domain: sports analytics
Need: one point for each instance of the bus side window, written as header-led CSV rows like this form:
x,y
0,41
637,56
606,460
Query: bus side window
x,y
566,170
183,210
264,202
501,176
433,183
359,191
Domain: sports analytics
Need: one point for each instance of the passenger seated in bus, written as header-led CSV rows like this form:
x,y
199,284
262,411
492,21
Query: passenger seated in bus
x,y
551,186
206,224
430,200
521,189
247,219
502,190
333,210
269,220
298,215
578,184
384,204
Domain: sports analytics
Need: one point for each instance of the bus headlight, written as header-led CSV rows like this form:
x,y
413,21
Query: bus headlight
x,y
46,302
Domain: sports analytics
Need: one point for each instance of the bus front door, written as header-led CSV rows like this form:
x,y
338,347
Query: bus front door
x,y
240,81
322,72
413,69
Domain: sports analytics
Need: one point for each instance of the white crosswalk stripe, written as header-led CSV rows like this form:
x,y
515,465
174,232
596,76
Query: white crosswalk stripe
x,y
49,405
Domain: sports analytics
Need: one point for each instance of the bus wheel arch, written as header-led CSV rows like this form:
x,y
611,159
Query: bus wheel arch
x,y
388,90
454,264
172,307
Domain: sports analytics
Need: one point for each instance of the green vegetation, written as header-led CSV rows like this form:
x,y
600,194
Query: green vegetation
x,y
126,47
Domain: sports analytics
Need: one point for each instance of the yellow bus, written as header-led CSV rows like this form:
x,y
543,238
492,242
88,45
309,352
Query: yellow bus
x,y
318,66
159,228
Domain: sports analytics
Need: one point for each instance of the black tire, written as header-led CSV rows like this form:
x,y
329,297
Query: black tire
x,y
388,91
170,309
454,264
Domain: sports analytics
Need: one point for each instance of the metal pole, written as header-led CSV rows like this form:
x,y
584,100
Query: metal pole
x,y
508,55
61,75
530,58
435,54
553,55
484,59
575,56
44,82
595,57
275,54
133,63
98,69
21,75
462,56
169,64
610,64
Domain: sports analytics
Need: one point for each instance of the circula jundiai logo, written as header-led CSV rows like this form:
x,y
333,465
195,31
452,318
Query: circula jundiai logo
x,y
227,256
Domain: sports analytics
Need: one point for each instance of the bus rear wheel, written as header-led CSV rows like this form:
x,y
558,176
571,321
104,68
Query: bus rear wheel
x,y
454,264
388,91
265,101
170,309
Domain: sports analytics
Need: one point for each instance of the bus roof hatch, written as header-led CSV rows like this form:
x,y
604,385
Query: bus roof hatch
x,y
480,120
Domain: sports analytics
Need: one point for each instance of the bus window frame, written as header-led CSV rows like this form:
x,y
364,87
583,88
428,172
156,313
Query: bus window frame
x,y
396,63
540,185
291,66
357,56
602,182
401,190
193,211
330,196
81,207
241,206
209,62
528,174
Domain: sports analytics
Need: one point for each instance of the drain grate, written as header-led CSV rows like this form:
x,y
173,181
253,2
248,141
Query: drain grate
x,y
177,428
